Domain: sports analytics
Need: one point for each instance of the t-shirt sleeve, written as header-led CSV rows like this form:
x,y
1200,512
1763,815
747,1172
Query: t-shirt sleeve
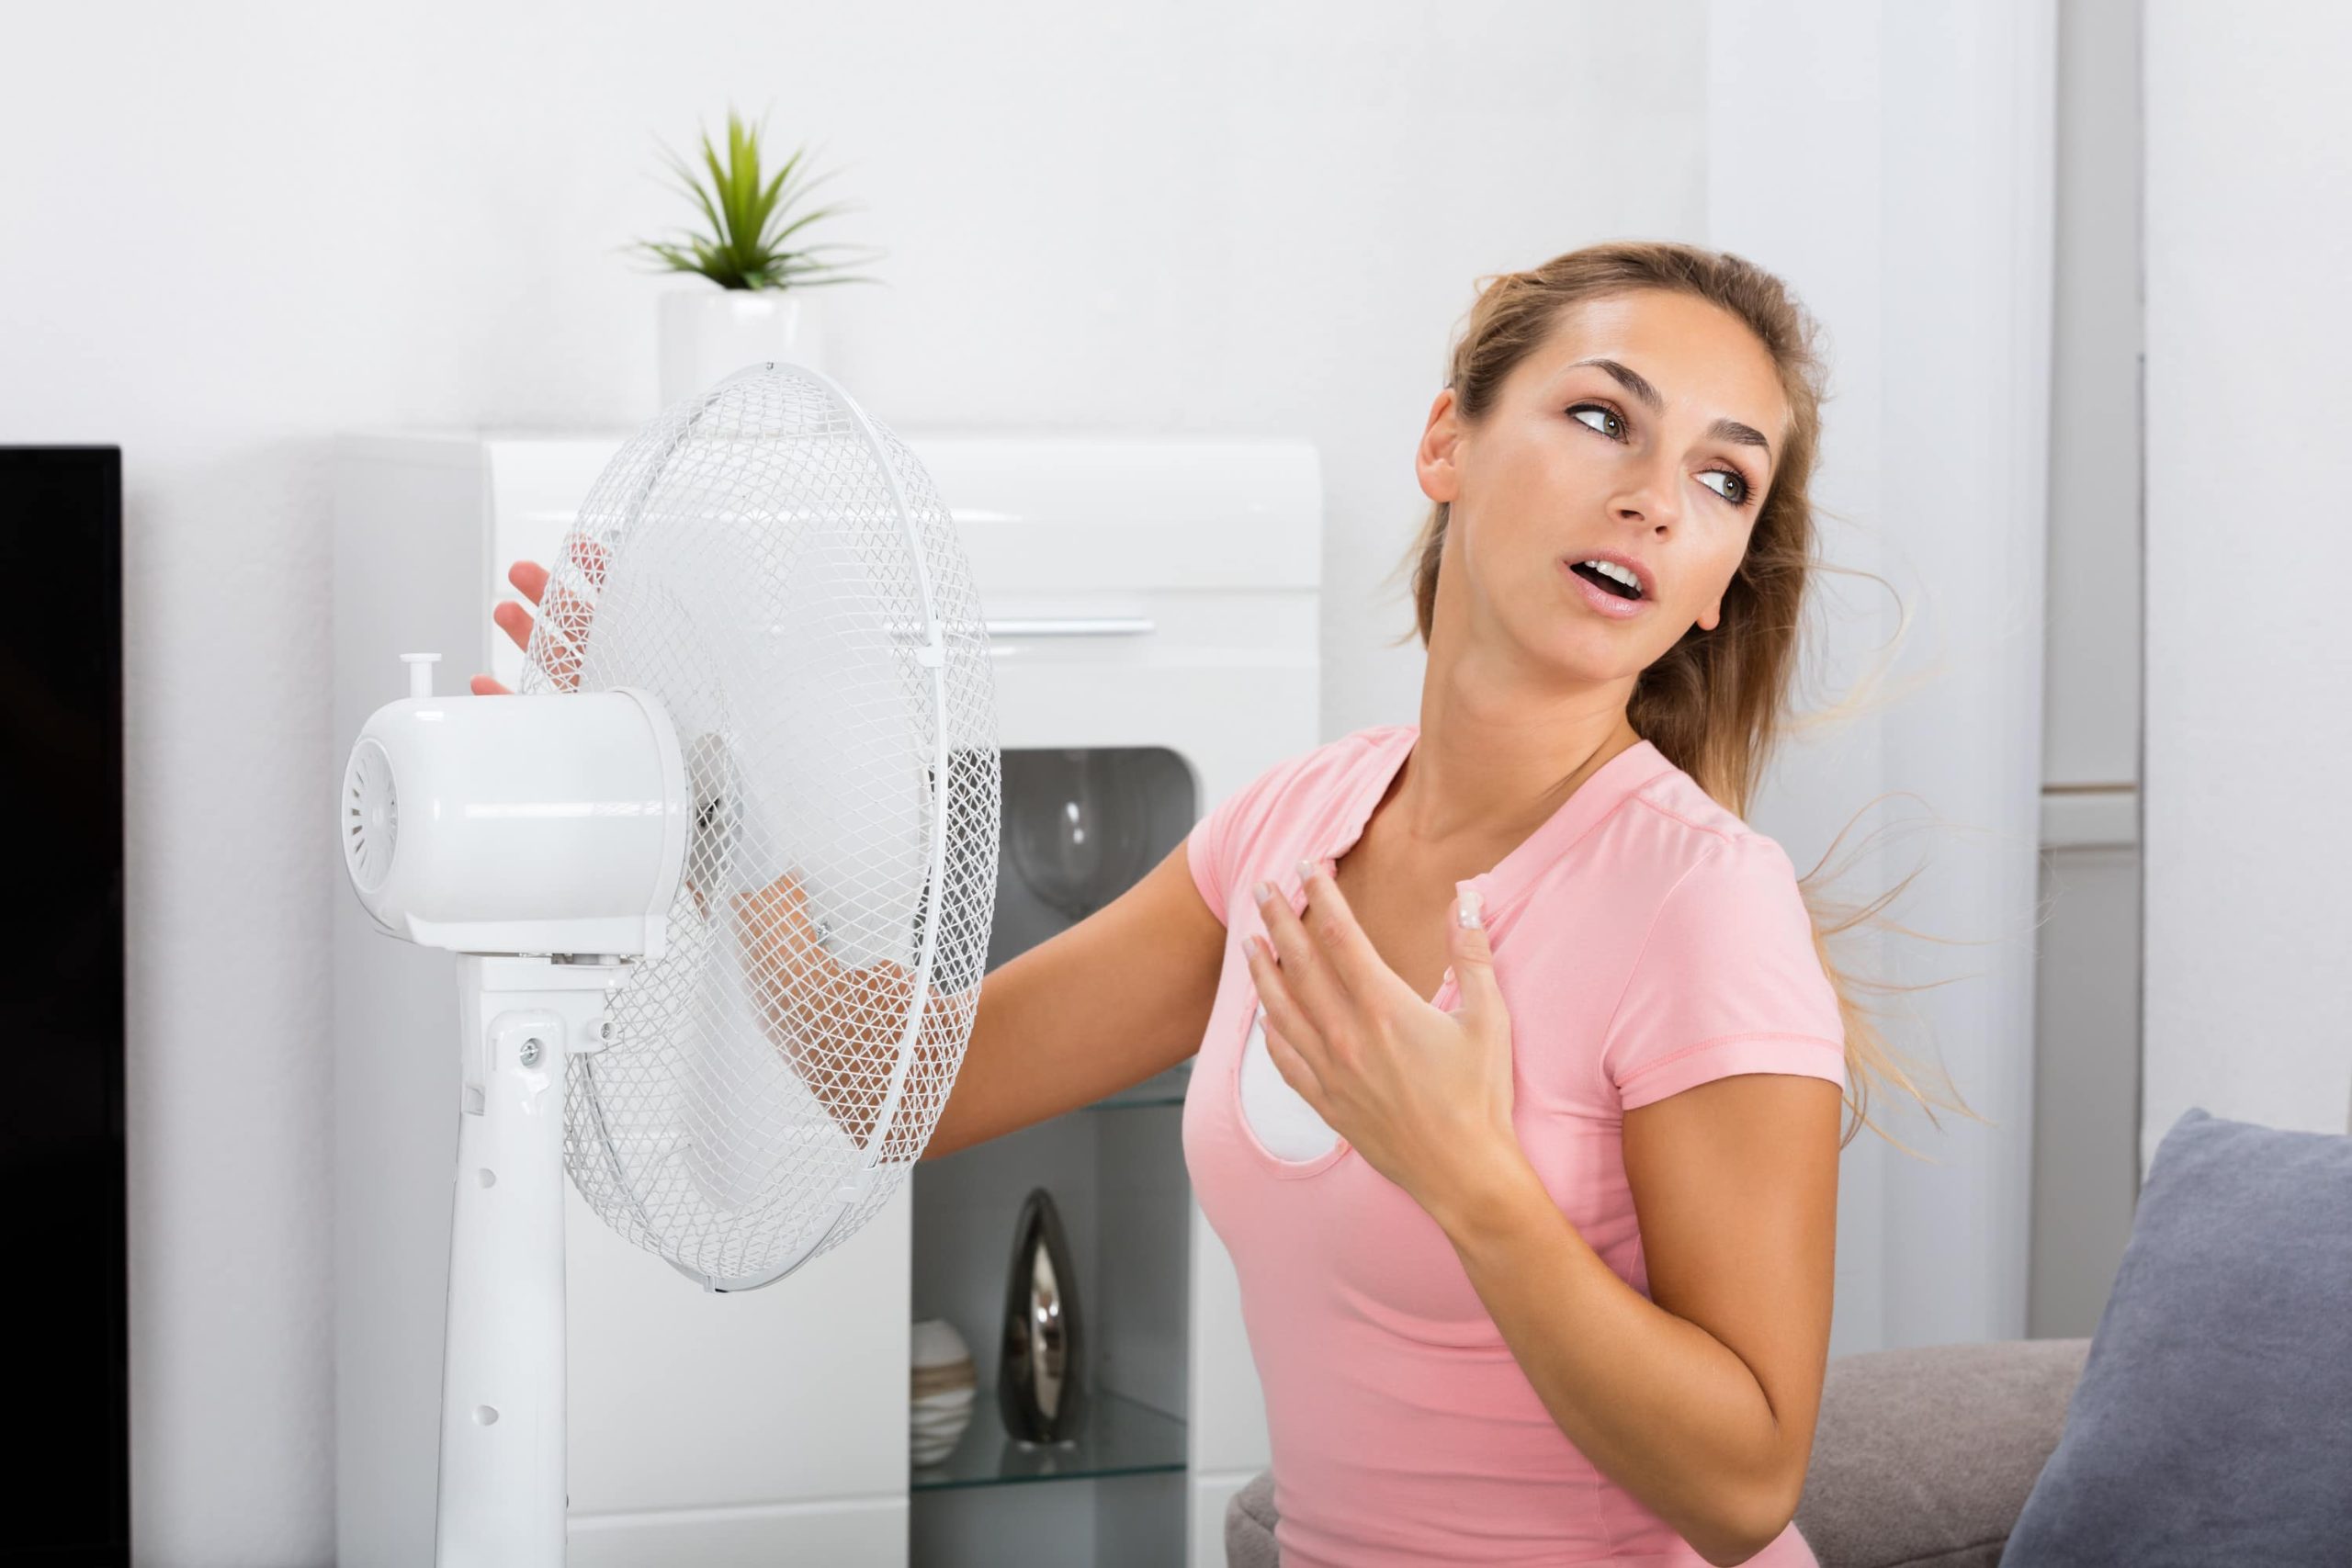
x,y
1219,845
1727,982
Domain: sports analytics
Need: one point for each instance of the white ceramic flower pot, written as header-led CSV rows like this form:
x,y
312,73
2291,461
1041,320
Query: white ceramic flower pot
x,y
706,333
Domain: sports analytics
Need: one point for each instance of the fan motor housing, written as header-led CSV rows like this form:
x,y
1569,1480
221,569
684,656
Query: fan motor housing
x,y
547,824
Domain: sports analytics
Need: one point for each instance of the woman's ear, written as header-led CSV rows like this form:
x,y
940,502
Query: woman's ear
x,y
1433,458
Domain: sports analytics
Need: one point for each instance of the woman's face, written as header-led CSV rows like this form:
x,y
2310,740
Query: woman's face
x,y
1660,463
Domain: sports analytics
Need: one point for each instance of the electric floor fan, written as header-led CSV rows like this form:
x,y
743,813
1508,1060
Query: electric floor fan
x,y
718,878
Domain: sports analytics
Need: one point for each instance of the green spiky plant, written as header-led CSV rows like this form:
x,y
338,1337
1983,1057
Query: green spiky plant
x,y
752,221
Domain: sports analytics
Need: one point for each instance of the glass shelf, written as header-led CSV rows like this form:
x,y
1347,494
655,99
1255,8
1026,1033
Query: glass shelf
x,y
1117,1436
1160,1089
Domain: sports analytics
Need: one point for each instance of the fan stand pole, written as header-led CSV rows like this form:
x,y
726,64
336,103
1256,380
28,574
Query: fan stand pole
x,y
502,1493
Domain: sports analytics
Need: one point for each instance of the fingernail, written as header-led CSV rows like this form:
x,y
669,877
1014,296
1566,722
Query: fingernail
x,y
1305,872
1264,890
1472,909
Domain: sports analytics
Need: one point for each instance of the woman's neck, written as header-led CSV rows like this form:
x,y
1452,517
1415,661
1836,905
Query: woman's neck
x,y
1492,762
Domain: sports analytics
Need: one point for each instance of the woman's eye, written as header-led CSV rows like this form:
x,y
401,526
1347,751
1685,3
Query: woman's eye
x,y
1736,492
1605,414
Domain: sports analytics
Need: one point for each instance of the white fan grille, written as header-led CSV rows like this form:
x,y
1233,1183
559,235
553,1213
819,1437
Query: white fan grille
x,y
772,566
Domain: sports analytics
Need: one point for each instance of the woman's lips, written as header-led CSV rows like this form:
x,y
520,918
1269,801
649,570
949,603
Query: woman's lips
x,y
1600,598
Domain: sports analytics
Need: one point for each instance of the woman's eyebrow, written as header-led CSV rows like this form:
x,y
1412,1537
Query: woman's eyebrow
x,y
1636,383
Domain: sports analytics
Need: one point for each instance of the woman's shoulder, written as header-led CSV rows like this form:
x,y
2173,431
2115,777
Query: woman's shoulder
x,y
1694,830
1331,763
1284,810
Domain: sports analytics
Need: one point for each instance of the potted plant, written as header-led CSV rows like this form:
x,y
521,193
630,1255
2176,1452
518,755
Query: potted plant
x,y
755,254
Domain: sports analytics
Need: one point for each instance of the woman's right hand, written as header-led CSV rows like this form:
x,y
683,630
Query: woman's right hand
x,y
572,611
836,1027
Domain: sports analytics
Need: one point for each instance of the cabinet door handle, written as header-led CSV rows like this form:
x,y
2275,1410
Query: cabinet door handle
x,y
1070,626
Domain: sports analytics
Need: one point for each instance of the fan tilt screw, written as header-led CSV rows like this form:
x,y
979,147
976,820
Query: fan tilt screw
x,y
531,1051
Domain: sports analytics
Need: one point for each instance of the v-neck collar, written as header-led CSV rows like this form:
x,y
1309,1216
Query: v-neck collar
x,y
1500,886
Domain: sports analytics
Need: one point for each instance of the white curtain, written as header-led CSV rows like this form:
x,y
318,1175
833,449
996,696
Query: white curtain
x,y
1895,163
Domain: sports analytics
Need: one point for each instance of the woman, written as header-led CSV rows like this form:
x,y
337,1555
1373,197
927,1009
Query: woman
x,y
1521,1060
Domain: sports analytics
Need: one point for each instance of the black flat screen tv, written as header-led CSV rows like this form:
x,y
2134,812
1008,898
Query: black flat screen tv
x,y
62,1007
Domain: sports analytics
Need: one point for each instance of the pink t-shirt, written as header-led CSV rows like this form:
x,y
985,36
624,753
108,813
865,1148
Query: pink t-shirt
x,y
1645,940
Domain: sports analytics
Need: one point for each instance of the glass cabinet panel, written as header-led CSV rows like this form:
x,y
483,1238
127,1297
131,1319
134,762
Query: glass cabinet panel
x,y
1080,826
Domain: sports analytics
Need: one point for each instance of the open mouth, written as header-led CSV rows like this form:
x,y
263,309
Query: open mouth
x,y
1608,576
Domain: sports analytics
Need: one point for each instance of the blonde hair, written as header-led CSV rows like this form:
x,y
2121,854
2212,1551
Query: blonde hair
x,y
1715,703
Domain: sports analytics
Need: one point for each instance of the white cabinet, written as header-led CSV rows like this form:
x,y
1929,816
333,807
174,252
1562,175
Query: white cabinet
x,y
1158,596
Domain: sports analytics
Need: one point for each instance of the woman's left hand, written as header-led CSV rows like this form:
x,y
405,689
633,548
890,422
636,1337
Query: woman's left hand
x,y
1424,1095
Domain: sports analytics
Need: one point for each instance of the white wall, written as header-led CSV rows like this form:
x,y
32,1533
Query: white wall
x,y
226,232
2248,841
1895,163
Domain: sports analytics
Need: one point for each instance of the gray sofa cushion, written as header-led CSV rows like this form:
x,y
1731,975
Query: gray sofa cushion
x,y
2213,1421
1923,1455
1250,1525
